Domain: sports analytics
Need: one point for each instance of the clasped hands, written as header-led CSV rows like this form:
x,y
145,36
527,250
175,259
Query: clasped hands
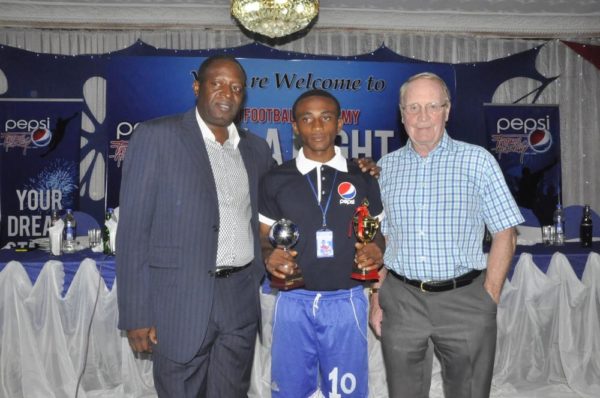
x,y
282,263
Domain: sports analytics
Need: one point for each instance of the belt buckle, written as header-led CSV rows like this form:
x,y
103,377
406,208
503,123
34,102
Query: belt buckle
x,y
422,284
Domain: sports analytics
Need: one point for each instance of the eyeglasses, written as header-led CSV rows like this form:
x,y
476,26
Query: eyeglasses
x,y
430,108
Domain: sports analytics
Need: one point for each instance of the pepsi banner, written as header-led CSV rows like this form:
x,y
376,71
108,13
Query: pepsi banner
x,y
39,146
526,142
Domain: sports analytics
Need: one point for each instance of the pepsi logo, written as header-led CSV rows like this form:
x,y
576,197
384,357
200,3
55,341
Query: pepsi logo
x,y
540,140
346,190
41,137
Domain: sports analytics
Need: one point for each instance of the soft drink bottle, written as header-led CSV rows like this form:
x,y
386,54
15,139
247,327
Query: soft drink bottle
x,y
585,228
70,232
54,217
106,233
559,226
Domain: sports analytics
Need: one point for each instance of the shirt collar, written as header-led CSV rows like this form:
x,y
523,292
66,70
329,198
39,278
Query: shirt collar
x,y
444,144
234,136
306,165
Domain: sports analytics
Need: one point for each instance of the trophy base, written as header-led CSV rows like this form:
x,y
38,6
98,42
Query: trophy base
x,y
290,283
362,275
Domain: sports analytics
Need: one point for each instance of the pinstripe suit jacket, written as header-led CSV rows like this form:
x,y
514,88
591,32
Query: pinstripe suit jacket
x,y
168,229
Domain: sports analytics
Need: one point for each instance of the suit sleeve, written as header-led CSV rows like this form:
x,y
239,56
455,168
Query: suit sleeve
x,y
265,202
136,207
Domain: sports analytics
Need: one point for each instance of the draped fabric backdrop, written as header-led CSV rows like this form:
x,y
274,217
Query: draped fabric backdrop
x,y
577,91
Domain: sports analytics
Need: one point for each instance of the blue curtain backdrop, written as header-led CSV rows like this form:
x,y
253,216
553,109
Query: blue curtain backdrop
x,y
121,89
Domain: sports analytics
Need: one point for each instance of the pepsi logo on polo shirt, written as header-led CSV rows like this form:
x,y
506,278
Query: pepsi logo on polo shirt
x,y
347,192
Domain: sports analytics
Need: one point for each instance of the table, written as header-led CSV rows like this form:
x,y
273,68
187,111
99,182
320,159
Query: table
x,y
34,261
57,314
542,255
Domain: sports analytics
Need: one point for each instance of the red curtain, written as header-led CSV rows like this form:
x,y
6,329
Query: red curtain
x,y
587,51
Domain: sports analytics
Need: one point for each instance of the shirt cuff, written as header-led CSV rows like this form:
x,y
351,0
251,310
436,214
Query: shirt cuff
x,y
265,220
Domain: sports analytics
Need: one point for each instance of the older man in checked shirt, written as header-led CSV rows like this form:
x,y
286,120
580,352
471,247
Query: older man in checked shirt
x,y
438,286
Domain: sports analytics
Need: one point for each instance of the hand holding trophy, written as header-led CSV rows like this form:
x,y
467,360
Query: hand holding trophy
x,y
365,229
284,235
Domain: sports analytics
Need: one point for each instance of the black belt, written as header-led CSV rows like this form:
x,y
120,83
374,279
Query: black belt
x,y
225,272
440,286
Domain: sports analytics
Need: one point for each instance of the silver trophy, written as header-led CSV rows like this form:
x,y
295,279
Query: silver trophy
x,y
284,234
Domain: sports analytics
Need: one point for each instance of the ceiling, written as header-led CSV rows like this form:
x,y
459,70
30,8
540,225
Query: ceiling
x,y
523,18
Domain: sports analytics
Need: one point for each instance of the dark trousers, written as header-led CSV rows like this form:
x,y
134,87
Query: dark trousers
x,y
461,325
223,365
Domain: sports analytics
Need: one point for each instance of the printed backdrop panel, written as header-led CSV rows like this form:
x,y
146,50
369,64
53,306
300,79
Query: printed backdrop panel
x,y
526,142
40,164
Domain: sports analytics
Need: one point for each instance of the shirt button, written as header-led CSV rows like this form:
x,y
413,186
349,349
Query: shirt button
x,y
422,259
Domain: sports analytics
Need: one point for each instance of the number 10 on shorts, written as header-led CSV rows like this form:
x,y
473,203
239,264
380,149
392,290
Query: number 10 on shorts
x,y
346,383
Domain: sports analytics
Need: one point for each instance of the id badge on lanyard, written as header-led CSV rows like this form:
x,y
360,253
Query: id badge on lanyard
x,y
324,243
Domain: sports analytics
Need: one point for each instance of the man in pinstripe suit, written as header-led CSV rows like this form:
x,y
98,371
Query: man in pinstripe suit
x,y
188,265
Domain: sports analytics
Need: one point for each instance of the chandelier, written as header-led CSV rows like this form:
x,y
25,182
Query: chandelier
x,y
274,18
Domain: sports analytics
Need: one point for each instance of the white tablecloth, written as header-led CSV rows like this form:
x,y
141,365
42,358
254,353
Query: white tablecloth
x,y
548,337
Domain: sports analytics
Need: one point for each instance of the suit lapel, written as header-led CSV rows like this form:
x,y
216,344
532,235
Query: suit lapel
x,y
247,153
192,140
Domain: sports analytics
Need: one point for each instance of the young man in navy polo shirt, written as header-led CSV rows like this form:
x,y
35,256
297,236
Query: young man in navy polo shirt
x,y
319,330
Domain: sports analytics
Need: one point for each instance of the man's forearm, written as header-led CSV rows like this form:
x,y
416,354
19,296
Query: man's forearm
x,y
382,274
499,261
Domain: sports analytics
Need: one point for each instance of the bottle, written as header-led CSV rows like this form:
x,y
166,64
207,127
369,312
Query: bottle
x,y
106,233
585,228
559,226
54,217
70,232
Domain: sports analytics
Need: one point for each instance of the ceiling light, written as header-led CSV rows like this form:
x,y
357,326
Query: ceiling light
x,y
274,18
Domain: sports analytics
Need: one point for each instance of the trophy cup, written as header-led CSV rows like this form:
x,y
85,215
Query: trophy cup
x,y
284,234
365,229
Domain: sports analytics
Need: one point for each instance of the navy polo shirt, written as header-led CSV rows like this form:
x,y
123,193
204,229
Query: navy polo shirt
x,y
286,193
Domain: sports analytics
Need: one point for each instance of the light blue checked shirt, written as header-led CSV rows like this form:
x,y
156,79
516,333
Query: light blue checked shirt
x,y
436,208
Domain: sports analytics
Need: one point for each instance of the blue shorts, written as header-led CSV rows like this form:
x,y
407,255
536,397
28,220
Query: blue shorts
x,y
320,342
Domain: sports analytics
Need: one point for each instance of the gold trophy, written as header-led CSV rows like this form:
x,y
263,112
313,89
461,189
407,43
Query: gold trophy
x,y
284,234
365,229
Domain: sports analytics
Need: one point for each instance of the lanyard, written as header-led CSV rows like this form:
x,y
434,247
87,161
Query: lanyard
x,y
324,212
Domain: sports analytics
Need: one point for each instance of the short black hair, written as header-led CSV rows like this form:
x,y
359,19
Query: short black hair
x,y
317,93
204,66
